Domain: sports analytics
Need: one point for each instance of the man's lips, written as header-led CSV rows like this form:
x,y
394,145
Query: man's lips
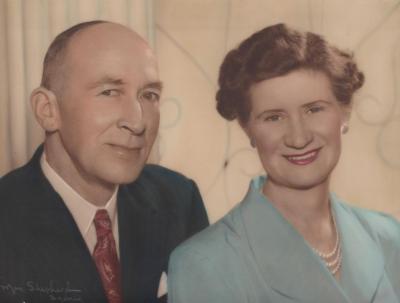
x,y
126,151
129,147
304,158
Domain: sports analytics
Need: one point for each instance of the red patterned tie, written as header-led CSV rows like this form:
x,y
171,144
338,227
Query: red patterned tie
x,y
105,256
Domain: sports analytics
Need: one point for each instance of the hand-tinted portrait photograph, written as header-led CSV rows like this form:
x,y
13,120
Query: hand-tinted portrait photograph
x,y
191,151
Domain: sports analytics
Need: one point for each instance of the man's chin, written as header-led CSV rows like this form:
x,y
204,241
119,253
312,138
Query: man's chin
x,y
118,174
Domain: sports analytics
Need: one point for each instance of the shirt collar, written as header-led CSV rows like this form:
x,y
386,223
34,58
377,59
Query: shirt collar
x,y
82,210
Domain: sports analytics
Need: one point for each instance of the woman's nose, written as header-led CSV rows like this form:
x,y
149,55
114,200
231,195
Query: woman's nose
x,y
298,134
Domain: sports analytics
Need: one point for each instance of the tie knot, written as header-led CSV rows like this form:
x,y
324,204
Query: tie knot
x,y
102,221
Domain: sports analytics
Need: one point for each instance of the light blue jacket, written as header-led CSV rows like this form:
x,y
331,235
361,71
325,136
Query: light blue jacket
x,y
254,255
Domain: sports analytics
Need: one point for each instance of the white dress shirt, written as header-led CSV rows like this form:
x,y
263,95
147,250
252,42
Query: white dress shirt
x,y
82,210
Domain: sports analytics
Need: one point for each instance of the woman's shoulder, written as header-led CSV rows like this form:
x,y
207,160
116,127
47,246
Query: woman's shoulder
x,y
208,267
381,226
213,242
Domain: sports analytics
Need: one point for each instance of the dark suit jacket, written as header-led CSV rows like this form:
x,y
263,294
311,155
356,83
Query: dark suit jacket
x,y
43,257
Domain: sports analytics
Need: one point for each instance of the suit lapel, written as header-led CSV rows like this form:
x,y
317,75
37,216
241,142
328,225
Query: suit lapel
x,y
143,230
363,262
56,250
286,263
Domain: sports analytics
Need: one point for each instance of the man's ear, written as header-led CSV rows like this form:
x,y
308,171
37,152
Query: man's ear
x,y
45,107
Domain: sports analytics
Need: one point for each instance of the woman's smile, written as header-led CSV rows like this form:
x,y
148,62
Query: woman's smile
x,y
304,158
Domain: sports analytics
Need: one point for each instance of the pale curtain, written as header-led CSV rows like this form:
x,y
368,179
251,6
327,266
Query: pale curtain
x,y
26,30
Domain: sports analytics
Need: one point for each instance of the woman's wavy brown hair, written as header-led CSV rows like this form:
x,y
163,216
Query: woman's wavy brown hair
x,y
275,51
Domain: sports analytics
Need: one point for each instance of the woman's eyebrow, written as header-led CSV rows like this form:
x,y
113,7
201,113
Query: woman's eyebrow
x,y
269,111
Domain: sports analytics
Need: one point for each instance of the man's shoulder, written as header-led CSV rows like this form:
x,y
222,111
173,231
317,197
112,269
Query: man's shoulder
x,y
18,190
162,178
15,180
162,173
22,178
163,185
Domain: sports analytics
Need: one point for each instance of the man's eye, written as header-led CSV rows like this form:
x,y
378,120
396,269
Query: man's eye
x,y
315,109
150,96
110,92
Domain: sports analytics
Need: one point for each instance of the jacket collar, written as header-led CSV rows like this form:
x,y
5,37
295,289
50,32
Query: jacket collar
x,y
285,259
54,236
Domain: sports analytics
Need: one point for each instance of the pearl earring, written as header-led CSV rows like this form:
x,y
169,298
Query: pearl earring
x,y
345,128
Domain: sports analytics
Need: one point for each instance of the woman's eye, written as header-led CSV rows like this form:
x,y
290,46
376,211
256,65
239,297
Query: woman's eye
x,y
110,93
150,96
273,118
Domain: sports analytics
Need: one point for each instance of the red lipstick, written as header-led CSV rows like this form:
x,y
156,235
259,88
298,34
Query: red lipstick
x,y
303,159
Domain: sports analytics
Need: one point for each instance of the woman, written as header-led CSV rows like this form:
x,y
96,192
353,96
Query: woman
x,y
290,240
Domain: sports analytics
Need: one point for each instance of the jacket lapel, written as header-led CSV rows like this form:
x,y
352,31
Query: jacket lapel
x,y
286,263
363,262
143,228
69,261
56,251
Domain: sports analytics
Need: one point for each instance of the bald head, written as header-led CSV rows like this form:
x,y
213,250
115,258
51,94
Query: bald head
x,y
54,64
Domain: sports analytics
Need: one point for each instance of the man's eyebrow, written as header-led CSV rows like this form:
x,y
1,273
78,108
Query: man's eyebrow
x,y
115,81
314,102
155,85
106,80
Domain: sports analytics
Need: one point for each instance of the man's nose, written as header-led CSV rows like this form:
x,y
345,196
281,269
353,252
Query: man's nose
x,y
298,134
133,118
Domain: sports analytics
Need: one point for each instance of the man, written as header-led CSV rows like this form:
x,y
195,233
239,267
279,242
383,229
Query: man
x,y
85,220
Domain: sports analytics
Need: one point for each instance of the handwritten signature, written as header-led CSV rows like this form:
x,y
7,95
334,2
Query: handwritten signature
x,y
55,292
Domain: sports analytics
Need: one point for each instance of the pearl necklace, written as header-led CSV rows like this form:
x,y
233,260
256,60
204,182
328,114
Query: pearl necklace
x,y
332,259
